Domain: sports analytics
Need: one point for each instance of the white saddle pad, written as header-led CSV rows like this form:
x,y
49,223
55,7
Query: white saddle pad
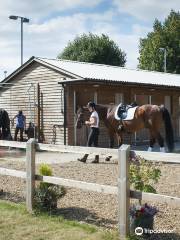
x,y
130,114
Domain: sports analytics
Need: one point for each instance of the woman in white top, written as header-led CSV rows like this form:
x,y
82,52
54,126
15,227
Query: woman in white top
x,y
94,125
94,132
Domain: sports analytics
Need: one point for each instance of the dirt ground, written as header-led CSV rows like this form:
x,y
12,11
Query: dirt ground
x,y
91,207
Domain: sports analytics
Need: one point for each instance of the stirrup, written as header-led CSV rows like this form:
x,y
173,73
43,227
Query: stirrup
x,y
120,127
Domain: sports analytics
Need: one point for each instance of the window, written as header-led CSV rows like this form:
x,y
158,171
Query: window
x,y
119,98
141,99
95,97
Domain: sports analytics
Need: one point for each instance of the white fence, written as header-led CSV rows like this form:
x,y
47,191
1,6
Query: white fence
x,y
122,190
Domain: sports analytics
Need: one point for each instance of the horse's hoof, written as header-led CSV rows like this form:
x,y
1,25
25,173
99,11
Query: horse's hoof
x,y
162,149
150,149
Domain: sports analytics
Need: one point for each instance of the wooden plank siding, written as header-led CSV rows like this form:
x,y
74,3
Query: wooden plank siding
x,y
15,97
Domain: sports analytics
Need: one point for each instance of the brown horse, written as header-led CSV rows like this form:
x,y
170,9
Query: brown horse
x,y
146,116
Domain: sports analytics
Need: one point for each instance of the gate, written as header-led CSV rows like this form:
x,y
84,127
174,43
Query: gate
x,y
22,96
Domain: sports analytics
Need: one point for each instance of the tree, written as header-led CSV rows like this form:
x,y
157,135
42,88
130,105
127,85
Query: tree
x,y
164,35
95,49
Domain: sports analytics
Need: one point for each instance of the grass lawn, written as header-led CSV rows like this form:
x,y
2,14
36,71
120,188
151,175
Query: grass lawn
x,y
16,223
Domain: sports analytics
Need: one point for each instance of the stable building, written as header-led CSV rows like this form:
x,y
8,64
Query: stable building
x,y
49,91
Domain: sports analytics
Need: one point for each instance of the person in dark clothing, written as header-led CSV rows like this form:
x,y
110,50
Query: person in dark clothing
x,y
20,125
30,130
94,132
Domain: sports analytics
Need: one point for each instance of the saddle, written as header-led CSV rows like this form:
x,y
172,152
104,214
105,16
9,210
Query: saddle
x,y
125,111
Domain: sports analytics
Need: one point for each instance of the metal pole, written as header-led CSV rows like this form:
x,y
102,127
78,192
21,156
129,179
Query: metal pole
x,y
5,72
23,20
21,41
75,132
65,112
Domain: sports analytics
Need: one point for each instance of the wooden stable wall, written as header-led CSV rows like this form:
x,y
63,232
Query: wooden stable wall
x,y
15,97
107,94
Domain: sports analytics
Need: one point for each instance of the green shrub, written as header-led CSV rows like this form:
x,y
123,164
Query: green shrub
x,y
47,194
143,175
45,170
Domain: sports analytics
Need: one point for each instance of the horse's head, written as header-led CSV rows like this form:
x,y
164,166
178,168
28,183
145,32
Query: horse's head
x,y
80,120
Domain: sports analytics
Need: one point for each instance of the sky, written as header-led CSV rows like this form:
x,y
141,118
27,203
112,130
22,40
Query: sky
x,y
53,23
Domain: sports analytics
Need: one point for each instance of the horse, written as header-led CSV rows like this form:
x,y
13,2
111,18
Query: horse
x,y
146,116
5,133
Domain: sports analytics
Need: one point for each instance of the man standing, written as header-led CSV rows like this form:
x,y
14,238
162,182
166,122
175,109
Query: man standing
x,y
20,125
94,132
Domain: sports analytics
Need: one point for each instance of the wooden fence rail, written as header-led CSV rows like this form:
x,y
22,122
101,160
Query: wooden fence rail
x,y
122,190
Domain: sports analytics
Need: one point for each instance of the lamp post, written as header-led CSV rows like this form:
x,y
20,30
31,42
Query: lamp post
x,y
165,56
5,72
23,20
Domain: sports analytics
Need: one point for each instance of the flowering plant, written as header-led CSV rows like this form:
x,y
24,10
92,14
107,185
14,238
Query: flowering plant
x,y
142,216
138,211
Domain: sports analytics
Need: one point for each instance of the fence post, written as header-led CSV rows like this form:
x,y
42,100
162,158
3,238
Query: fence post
x,y
123,190
30,173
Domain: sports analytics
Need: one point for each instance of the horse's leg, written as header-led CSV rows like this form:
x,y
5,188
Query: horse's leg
x,y
152,141
161,142
111,141
156,135
119,139
111,144
4,133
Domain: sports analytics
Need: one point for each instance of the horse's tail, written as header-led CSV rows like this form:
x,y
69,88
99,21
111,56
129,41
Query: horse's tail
x,y
168,128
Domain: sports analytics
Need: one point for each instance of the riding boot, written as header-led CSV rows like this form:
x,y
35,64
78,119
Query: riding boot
x,y
83,159
96,160
107,159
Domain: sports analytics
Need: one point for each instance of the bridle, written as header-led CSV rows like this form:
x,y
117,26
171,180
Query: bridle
x,y
80,121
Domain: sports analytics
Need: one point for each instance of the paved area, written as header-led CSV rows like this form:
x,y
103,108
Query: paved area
x,y
53,157
41,157
155,149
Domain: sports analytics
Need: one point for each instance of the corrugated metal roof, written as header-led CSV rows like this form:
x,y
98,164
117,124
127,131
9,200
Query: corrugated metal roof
x,y
113,73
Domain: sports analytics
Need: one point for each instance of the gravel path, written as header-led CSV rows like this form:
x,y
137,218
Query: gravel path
x,y
96,208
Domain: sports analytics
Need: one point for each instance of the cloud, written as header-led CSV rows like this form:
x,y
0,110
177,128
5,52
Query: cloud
x,y
49,31
147,10
37,9
42,37
48,39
